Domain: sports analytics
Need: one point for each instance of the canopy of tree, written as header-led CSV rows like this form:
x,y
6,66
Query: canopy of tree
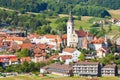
x,y
80,7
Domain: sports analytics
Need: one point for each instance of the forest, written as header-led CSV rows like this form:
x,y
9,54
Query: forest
x,y
96,8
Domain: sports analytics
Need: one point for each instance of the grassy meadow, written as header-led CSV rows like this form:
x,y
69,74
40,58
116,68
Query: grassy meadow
x,y
58,78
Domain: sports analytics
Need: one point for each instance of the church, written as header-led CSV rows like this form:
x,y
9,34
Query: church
x,y
77,38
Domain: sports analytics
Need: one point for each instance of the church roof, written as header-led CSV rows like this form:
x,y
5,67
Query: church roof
x,y
82,33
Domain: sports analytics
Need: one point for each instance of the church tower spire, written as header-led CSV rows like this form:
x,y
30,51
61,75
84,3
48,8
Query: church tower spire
x,y
70,28
70,17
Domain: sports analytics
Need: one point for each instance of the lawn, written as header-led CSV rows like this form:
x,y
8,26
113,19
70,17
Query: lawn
x,y
57,78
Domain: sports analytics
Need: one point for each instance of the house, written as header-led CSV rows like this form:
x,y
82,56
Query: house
x,y
57,69
113,20
89,56
110,70
85,68
118,23
48,39
28,59
13,61
66,58
28,46
18,40
97,43
7,60
72,52
102,52
117,40
39,57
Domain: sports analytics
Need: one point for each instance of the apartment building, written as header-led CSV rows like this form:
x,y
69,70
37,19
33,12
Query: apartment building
x,y
109,70
87,69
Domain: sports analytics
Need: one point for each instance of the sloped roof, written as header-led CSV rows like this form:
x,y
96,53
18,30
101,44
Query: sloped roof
x,y
71,50
82,33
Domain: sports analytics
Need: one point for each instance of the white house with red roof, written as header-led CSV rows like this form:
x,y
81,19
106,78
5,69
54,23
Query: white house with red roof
x,y
8,60
70,54
98,43
102,52
54,40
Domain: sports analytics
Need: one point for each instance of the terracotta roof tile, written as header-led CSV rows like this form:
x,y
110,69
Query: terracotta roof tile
x,y
98,41
14,59
71,50
28,59
82,33
37,50
64,57
64,36
15,38
27,46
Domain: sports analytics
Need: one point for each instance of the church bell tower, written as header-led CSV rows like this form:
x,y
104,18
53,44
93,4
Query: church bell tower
x,y
70,29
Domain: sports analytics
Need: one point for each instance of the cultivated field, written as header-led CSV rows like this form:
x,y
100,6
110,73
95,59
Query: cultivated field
x,y
114,13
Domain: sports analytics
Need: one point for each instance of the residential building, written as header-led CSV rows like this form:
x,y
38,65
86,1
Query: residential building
x,y
102,52
7,60
110,70
27,59
85,68
97,43
72,52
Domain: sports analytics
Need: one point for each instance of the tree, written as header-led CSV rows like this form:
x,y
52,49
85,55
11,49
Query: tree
x,y
24,53
25,67
79,18
81,57
1,69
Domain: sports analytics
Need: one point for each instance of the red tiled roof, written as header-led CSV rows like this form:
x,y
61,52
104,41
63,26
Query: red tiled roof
x,y
39,55
55,37
14,59
98,41
82,33
42,46
37,50
15,38
27,46
15,47
64,57
28,59
71,50
64,36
